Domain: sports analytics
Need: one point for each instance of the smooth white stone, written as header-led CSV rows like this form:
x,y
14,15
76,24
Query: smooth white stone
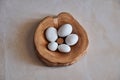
x,y
64,48
53,46
65,30
71,39
51,34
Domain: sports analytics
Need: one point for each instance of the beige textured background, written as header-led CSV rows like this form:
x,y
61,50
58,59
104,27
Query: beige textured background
x,y
19,19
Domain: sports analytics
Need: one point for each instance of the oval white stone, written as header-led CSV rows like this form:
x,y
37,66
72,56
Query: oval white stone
x,y
51,34
65,30
53,46
64,48
71,39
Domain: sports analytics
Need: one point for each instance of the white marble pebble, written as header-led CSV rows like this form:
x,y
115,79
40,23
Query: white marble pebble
x,y
65,30
71,39
53,46
64,48
51,34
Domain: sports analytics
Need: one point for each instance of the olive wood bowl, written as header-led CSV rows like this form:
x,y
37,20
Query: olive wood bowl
x,y
57,58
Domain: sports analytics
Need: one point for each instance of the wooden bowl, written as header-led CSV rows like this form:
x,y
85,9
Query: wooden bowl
x,y
57,58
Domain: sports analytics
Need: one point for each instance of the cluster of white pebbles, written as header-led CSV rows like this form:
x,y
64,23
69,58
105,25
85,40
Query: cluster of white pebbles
x,y
65,31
